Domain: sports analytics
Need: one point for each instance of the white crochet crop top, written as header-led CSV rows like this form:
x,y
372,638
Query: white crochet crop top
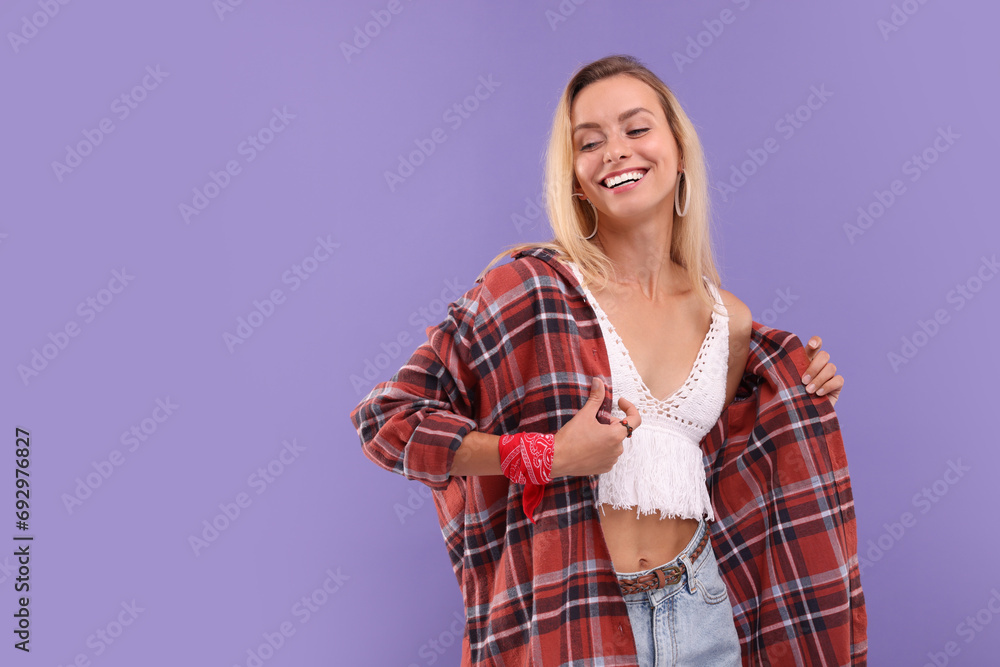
x,y
661,468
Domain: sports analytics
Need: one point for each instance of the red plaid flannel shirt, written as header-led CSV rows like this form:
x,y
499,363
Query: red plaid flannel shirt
x,y
517,353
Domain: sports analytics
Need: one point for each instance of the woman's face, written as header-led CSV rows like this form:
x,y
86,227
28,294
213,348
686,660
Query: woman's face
x,y
610,136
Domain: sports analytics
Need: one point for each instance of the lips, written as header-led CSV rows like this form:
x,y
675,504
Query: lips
x,y
620,172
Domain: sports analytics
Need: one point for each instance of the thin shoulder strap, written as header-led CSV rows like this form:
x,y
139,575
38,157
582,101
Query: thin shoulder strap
x,y
713,290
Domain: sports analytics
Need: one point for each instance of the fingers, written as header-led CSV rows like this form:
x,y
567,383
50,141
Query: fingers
x,y
834,394
596,398
831,386
631,413
825,374
814,367
813,346
596,395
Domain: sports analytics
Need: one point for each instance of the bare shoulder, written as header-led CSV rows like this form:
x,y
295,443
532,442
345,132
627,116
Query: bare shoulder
x,y
740,327
740,319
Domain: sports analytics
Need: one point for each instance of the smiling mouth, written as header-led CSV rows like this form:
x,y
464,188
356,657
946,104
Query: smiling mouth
x,y
623,179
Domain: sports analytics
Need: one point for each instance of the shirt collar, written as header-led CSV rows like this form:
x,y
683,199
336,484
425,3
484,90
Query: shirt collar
x,y
549,256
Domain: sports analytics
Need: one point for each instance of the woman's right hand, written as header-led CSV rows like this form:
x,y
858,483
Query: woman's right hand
x,y
585,446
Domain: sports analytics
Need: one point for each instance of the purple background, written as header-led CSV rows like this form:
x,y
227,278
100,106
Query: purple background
x,y
781,236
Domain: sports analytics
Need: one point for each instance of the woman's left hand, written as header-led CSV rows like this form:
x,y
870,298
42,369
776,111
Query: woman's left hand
x,y
820,376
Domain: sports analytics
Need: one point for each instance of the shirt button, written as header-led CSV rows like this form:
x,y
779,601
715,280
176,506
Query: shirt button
x,y
621,629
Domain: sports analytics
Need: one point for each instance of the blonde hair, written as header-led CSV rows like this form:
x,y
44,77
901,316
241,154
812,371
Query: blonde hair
x,y
571,218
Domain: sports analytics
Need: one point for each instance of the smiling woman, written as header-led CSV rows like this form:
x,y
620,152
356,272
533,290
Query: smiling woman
x,y
583,528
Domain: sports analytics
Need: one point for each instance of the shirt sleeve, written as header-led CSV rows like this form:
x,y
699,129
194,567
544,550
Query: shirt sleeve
x,y
413,423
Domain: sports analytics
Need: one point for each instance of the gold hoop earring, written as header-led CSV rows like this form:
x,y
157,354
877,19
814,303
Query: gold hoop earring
x,y
681,180
587,238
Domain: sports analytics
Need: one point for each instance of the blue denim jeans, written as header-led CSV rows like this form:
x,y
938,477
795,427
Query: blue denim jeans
x,y
687,623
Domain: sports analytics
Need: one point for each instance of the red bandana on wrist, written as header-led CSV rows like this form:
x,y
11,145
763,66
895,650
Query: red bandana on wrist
x,y
526,458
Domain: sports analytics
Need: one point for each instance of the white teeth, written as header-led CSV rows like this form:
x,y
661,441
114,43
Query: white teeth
x,y
629,175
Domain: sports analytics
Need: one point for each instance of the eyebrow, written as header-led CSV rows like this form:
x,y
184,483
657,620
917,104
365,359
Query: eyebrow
x,y
624,116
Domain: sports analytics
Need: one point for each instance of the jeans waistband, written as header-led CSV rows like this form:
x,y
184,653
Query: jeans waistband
x,y
702,528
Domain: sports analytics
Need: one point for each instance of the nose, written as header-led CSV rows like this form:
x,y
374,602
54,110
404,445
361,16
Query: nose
x,y
615,150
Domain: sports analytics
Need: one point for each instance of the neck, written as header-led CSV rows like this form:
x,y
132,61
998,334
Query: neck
x,y
640,253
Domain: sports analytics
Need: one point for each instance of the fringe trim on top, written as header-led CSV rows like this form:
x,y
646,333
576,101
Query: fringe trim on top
x,y
658,472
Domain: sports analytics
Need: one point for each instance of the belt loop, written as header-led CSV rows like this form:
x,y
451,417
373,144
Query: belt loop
x,y
702,535
689,572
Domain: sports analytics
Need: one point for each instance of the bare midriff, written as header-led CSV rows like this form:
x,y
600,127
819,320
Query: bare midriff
x,y
643,542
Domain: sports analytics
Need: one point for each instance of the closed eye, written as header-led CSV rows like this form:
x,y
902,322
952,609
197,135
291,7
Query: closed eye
x,y
630,133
